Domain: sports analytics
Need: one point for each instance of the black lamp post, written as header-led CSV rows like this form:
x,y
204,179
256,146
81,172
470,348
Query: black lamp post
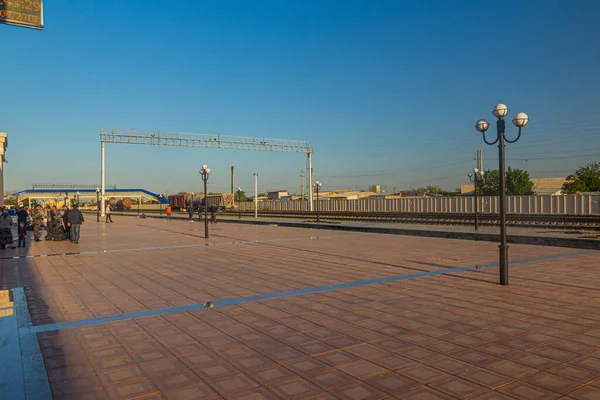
x,y
160,203
204,172
520,120
317,188
98,204
474,177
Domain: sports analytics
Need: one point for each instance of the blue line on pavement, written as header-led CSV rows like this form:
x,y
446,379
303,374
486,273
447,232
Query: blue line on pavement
x,y
296,292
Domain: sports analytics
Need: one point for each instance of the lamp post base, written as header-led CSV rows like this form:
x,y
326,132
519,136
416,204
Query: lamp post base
x,y
503,250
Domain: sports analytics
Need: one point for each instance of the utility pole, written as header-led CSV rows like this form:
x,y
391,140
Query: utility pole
x,y
479,160
232,192
255,195
302,189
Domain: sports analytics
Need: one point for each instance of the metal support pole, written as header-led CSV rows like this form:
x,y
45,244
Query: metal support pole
x,y
310,182
205,207
317,203
97,205
160,203
139,201
232,181
103,182
503,248
476,206
255,195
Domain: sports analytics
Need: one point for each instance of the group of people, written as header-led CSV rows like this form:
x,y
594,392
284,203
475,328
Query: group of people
x,y
59,224
212,209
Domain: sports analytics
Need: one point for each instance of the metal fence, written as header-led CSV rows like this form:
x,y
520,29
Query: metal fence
x,y
538,204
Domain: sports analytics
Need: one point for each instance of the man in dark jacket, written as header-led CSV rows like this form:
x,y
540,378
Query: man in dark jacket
x,y
66,221
22,216
75,220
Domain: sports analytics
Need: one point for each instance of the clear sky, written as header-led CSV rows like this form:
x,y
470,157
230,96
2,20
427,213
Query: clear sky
x,y
387,92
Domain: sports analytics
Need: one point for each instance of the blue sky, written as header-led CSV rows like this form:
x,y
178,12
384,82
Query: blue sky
x,y
387,92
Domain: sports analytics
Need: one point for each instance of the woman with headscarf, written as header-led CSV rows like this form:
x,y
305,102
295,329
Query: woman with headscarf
x,y
6,236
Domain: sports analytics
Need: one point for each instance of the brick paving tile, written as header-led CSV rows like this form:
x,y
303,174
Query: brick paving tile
x,y
359,391
535,361
458,387
163,366
450,365
362,369
390,344
488,379
272,374
393,383
70,371
250,362
554,353
337,357
210,372
231,384
306,366
423,373
121,375
294,389
254,394
587,361
552,382
315,348
172,380
475,357
523,390
493,396
423,393
585,393
131,389
322,396
419,353
583,375
511,369
329,379
94,394
74,385
193,360
393,362
197,391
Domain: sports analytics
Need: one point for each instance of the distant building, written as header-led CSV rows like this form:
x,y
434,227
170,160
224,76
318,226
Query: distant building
x,y
551,186
278,194
375,189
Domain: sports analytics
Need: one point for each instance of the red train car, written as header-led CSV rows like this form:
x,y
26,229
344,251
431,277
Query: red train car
x,y
178,201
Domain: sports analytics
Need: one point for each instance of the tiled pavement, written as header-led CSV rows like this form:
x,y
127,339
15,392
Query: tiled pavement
x,y
447,336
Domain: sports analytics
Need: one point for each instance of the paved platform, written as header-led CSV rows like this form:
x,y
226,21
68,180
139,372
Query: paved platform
x,y
298,314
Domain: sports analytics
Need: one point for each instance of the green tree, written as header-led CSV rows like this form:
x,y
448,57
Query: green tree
x,y
517,183
585,179
240,195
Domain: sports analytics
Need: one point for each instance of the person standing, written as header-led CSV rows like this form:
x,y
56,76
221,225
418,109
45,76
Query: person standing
x,y
108,216
191,213
65,216
213,213
6,223
22,232
75,220
37,216
22,216
169,211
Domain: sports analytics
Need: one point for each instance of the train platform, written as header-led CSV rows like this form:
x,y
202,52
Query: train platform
x,y
540,236
150,309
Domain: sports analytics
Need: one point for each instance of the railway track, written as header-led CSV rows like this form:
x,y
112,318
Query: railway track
x,y
567,222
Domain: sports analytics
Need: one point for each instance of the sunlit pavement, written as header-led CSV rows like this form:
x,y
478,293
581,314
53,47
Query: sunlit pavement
x,y
298,313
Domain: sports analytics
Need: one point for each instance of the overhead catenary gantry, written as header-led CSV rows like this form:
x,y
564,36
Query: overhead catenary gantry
x,y
183,139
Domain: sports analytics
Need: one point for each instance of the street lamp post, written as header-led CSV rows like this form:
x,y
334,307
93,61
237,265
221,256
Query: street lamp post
x,y
160,203
78,198
474,177
204,172
317,188
97,204
520,120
